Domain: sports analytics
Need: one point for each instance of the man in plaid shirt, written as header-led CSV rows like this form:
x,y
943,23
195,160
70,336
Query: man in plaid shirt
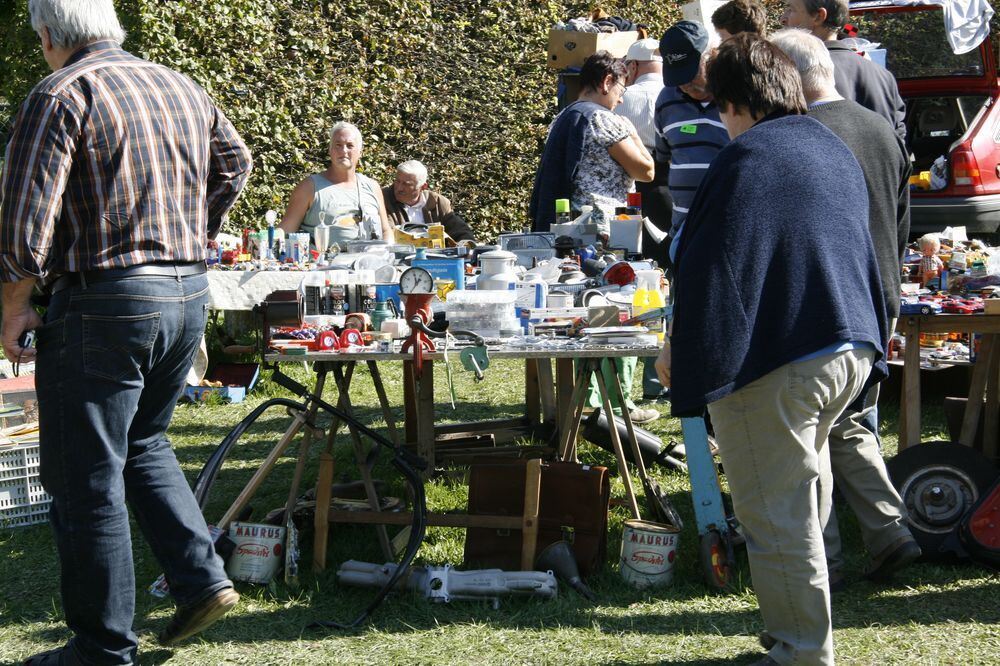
x,y
117,172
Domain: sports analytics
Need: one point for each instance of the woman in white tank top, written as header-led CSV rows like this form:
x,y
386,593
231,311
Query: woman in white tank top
x,y
349,202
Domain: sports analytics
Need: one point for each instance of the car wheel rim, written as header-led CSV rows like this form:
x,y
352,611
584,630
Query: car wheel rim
x,y
937,497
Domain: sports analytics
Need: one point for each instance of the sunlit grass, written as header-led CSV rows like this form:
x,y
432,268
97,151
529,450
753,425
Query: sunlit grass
x,y
933,615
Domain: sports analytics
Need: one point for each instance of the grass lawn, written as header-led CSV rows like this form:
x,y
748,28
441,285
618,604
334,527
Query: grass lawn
x,y
931,615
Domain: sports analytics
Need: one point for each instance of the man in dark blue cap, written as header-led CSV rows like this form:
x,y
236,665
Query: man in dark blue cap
x,y
688,135
689,132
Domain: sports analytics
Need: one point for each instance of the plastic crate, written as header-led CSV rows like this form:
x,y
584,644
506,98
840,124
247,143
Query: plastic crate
x,y
23,501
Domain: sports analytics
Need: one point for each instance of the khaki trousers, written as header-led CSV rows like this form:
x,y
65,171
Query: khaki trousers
x,y
857,466
772,437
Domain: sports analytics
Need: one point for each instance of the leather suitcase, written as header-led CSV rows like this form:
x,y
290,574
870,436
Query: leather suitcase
x,y
573,505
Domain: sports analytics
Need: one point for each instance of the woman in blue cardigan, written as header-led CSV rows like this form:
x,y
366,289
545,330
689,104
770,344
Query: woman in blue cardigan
x,y
779,325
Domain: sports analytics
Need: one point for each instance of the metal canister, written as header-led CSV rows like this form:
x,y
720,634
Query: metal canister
x,y
648,553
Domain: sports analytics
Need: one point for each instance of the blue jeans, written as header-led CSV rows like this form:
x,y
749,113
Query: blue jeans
x,y
651,386
870,421
112,359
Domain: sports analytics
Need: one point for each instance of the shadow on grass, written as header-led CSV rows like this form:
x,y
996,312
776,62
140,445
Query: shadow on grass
x,y
147,657
862,607
745,658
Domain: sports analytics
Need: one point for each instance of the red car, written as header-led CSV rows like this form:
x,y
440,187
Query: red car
x,y
976,304
956,306
951,111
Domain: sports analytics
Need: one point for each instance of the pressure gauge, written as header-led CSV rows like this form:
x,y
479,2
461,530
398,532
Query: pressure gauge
x,y
416,280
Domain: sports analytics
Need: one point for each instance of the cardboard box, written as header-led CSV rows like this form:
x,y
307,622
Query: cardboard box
x,y
237,380
569,48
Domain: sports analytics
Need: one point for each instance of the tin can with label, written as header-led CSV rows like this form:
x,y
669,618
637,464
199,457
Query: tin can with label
x,y
648,553
258,554
382,341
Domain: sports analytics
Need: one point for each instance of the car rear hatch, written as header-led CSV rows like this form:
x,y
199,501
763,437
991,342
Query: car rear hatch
x,y
948,96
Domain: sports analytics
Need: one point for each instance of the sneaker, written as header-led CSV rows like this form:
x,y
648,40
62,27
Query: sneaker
x,y
640,416
194,618
898,555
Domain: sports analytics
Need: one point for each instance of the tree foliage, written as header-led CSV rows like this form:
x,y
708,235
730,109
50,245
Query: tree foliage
x,y
461,85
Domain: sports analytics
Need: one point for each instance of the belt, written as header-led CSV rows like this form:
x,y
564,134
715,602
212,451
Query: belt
x,y
85,278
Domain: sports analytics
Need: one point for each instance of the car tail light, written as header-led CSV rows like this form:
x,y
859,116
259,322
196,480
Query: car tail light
x,y
965,171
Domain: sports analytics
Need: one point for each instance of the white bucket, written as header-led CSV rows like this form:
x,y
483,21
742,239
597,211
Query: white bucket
x,y
648,553
259,552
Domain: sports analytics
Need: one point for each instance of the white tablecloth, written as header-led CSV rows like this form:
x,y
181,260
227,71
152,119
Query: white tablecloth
x,y
241,290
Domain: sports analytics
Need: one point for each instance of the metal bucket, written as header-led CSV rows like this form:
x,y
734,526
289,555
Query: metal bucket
x,y
258,554
648,553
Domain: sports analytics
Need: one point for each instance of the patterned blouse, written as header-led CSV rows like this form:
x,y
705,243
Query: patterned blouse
x,y
599,180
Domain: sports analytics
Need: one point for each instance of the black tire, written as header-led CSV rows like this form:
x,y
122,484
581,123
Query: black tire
x,y
939,482
925,310
714,557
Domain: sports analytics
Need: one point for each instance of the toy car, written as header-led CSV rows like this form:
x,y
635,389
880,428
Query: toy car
x,y
976,303
912,306
955,306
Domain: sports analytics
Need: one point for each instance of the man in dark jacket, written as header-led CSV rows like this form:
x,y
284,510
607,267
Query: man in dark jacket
x,y
776,329
855,458
858,79
408,201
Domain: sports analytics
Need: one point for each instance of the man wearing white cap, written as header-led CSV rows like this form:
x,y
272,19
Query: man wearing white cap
x,y
645,78
645,81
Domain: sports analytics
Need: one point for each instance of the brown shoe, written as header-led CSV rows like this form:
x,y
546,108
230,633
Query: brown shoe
x,y
191,619
899,554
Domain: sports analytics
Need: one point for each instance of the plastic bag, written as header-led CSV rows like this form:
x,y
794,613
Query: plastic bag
x,y
939,173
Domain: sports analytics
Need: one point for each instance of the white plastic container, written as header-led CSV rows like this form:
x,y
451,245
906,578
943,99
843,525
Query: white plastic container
x,y
487,313
532,292
23,500
259,552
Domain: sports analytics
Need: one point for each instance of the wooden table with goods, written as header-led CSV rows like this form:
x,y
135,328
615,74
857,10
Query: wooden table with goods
x,y
984,388
553,399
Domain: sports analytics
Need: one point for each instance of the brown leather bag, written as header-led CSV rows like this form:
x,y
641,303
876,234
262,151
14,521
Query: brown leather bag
x,y
573,505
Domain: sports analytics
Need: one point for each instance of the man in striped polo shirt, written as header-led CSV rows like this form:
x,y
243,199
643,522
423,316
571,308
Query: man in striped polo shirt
x,y
117,172
689,132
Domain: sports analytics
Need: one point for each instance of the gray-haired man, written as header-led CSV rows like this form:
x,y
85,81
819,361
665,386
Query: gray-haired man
x,y
409,201
854,453
117,172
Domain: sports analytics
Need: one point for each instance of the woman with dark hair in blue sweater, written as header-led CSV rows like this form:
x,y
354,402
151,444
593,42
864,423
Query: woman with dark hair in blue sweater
x,y
779,325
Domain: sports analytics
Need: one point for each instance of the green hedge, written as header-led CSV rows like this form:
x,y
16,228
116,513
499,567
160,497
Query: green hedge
x,y
460,84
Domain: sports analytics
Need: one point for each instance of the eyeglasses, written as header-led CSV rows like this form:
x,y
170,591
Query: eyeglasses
x,y
618,83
